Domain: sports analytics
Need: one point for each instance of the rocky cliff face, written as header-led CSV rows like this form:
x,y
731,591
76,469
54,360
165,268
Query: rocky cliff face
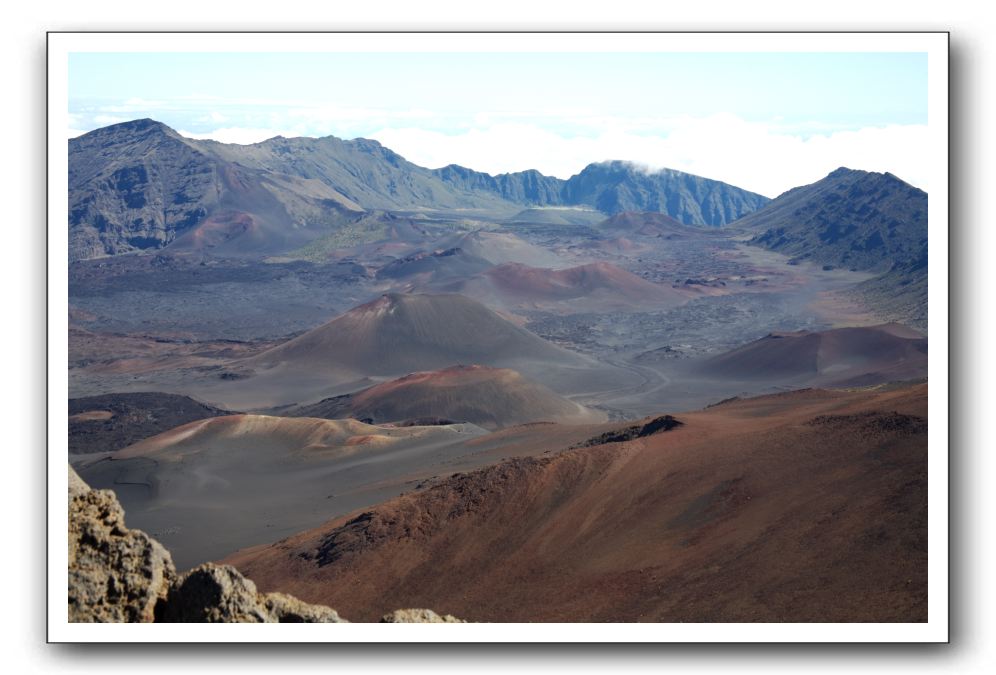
x,y
141,186
135,186
614,187
528,188
122,575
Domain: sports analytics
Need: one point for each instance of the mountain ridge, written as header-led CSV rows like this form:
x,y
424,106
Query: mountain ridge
x,y
859,220
140,185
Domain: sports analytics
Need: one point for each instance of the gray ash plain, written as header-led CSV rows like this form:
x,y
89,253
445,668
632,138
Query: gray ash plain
x,y
209,298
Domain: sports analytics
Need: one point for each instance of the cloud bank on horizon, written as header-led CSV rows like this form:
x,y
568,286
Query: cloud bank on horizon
x,y
751,155
763,122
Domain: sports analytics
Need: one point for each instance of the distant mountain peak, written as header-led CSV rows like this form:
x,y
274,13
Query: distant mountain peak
x,y
369,144
616,185
139,126
843,171
642,168
858,220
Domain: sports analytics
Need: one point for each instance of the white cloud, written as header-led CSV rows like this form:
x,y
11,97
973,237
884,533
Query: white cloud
x,y
143,103
755,156
107,120
328,113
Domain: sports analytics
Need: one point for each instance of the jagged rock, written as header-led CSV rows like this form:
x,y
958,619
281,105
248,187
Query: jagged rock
x,y
77,485
214,594
220,594
115,574
119,575
654,426
288,609
418,616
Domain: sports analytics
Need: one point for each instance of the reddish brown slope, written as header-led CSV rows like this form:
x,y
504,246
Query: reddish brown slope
x,y
488,397
591,287
393,336
808,506
398,334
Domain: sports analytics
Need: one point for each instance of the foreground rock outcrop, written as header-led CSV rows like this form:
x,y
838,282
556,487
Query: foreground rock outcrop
x,y
220,594
122,575
418,616
115,574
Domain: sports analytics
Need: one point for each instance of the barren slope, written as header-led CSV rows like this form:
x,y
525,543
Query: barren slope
x,y
398,334
808,506
488,397
501,247
406,333
596,286
843,356
651,224
210,487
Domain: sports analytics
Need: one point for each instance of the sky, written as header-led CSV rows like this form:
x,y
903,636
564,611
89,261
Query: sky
x,y
765,122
